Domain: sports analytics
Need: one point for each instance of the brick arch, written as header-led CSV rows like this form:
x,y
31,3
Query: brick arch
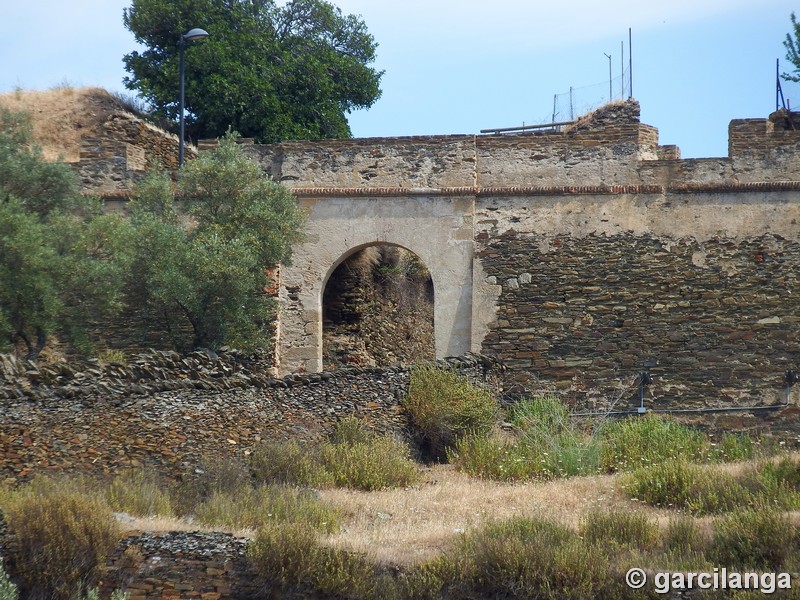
x,y
438,229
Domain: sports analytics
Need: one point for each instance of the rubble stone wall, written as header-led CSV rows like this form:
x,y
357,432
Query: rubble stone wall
x,y
170,411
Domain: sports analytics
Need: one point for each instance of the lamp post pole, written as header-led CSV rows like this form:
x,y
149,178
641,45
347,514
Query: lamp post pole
x,y
610,94
192,34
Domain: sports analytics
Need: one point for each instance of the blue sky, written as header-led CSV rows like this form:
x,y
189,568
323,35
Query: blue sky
x,y
458,66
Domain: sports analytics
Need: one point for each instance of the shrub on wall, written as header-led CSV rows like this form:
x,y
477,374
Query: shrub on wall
x,y
444,406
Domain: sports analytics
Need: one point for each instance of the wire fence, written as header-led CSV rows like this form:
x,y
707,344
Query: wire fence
x,y
568,106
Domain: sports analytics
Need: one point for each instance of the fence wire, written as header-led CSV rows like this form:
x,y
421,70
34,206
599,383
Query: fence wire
x,y
569,105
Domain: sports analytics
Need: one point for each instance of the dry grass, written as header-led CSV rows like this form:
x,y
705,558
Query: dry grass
x,y
59,117
406,526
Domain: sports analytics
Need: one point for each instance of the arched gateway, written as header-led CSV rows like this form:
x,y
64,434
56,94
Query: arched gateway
x,y
435,225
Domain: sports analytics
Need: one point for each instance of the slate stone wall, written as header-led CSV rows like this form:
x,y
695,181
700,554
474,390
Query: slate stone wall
x,y
721,317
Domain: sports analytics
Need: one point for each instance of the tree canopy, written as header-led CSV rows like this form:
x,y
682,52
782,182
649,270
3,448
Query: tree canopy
x,y
269,72
61,261
792,45
208,275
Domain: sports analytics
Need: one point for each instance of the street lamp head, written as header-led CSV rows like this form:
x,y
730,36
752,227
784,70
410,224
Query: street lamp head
x,y
194,34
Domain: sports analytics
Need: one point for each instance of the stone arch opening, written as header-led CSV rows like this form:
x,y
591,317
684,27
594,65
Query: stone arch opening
x,y
378,308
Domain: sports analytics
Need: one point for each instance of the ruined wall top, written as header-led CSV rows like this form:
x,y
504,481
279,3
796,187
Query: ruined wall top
x,y
609,147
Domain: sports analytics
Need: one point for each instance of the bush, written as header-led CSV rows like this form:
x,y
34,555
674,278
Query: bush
x,y
249,508
288,463
547,445
353,457
678,484
625,528
220,474
62,537
530,558
376,464
444,407
642,441
488,458
139,493
753,538
291,557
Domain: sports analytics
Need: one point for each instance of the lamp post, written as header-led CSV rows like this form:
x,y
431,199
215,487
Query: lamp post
x,y
189,36
610,95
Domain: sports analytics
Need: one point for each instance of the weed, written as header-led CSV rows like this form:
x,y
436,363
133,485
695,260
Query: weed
x,y
761,537
250,508
444,407
642,441
8,591
530,558
625,528
547,445
353,457
291,557
139,493
289,463
62,537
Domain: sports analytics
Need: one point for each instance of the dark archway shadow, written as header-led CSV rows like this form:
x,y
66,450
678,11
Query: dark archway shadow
x,y
377,309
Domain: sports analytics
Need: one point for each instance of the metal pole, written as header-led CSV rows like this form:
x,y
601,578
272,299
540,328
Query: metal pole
x,y
622,70
571,107
182,45
630,62
610,95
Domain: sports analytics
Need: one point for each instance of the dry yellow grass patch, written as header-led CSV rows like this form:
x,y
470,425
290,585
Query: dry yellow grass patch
x,y
406,526
59,116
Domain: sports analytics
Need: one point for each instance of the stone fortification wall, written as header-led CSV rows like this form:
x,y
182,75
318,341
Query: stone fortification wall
x,y
169,411
405,162
609,147
596,248
585,289
119,147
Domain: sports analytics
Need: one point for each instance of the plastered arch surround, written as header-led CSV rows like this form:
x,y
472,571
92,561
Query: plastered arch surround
x,y
439,230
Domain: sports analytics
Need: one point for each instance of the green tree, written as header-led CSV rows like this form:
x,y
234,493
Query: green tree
x,y
60,259
267,71
792,45
206,271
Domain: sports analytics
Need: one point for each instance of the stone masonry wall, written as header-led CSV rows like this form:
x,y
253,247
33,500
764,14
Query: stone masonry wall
x,y
121,147
720,318
170,411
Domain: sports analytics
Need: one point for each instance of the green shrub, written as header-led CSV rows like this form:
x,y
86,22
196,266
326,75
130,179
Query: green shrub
x,y
488,458
353,457
377,464
733,447
249,508
625,528
642,441
139,493
219,474
546,445
291,558
289,463
444,406
8,591
530,558
753,538
679,484
683,540
62,538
